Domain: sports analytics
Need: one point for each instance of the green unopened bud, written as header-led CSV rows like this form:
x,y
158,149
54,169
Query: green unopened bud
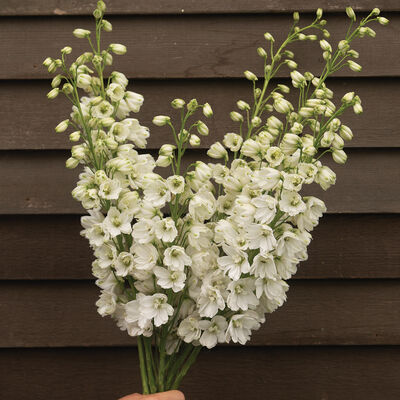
x,y
348,97
101,5
75,136
67,88
350,13
106,25
62,126
118,48
81,33
97,13
383,21
178,103
376,11
325,45
56,81
261,52
207,110
53,93
291,64
269,37
66,50
319,13
326,33
161,120
354,66
256,121
345,132
357,108
242,105
47,62
71,163
250,76
194,141
192,105
339,156
235,116
296,17
202,128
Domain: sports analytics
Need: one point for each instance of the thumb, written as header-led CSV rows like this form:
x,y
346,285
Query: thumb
x,y
135,396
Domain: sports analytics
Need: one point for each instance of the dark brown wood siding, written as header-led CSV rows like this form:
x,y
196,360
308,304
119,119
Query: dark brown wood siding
x,y
338,336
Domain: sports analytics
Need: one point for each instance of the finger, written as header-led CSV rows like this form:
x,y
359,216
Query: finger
x,y
170,395
135,396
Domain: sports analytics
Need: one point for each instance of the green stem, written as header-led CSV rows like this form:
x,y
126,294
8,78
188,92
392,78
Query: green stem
x,y
178,364
142,362
149,365
190,361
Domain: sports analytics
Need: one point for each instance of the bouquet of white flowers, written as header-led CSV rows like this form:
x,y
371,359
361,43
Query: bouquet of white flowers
x,y
199,254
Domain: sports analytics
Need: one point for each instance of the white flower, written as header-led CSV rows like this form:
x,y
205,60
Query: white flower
x,y
274,156
165,230
110,189
285,266
124,263
117,222
176,258
325,177
145,256
189,329
167,279
102,110
134,101
241,295
274,290
217,151
233,141
263,266
115,92
176,184
210,301
267,178
156,307
261,236
137,133
202,206
240,327
235,263
106,304
213,331
156,192
266,208
143,231
291,203
106,254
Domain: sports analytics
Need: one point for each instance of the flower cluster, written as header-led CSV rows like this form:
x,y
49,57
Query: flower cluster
x,y
199,254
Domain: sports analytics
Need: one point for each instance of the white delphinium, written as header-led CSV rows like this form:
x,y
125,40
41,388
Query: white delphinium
x,y
195,254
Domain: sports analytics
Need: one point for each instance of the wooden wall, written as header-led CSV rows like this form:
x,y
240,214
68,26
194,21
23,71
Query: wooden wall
x,y
338,336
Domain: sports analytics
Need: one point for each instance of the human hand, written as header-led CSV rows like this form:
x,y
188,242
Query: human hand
x,y
170,395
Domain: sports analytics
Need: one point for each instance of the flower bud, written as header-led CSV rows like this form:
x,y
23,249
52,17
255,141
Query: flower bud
x,y
192,105
339,156
290,143
202,128
319,13
217,151
383,21
164,161
66,50
242,105
75,136
53,93
67,88
235,116
348,97
283,88
101,5
62,126
207,110
269,37
78,152
354,66
325,45
250,76
106,25
194,140
298,79
84,81
376,11
161,120
345,132
167,150
47,62
117,48
81,33
291,64
357,108
108,121
261,52
274,122
97,13
71,163
350,13
282,106
178,103
256,121
337,142
108,58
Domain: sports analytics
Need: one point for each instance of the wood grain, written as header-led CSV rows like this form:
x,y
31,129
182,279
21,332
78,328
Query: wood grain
x,y
38,183
343,246
318,312
28,118
76,7
347,373
187,47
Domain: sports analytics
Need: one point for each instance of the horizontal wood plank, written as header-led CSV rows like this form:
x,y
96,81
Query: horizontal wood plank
x,y
318,312
38,183
343,246
76,7
352,373
187,47
28,118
